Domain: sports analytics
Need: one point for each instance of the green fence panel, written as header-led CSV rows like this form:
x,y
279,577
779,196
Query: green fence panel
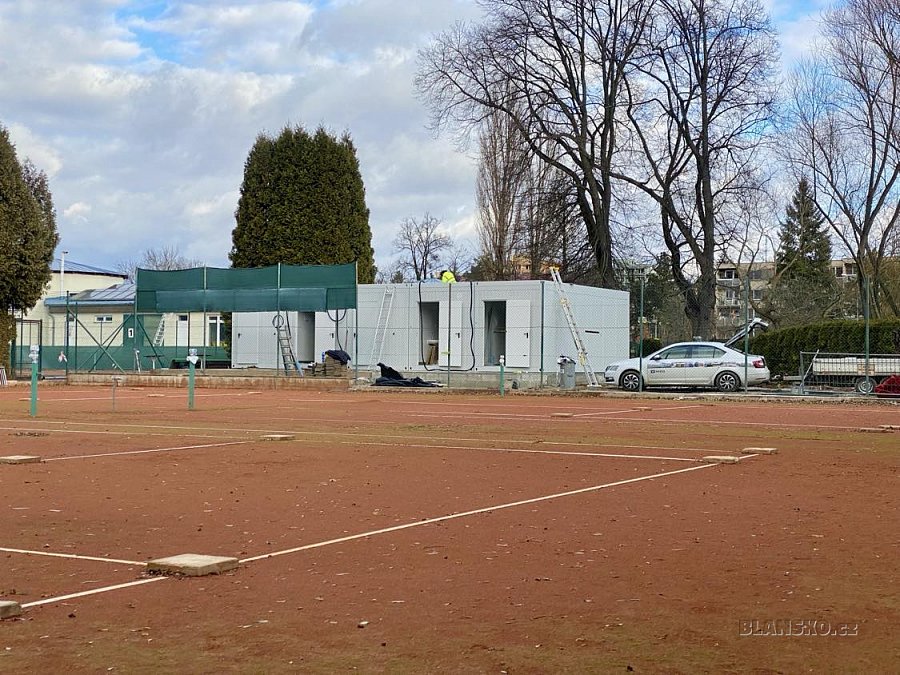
x,y
304,288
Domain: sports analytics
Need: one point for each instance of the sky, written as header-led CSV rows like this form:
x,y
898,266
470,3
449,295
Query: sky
x,y
142,112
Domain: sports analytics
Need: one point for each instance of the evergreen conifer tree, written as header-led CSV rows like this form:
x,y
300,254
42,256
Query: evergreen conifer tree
x,y
804,289
303,202
805,249
28,238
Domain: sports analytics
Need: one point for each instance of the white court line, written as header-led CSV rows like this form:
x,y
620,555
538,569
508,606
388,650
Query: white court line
x,y
524,450
145,452
607,412
349,434
463,514
60,598
100,433
73,556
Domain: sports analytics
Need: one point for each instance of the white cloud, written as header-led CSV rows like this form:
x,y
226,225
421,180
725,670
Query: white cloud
x,y
143,118
142,113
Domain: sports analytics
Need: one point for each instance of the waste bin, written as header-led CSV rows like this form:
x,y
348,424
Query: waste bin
x,y
566,372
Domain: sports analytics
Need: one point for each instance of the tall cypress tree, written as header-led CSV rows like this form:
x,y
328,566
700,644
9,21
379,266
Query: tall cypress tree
x,y
303,202
28,238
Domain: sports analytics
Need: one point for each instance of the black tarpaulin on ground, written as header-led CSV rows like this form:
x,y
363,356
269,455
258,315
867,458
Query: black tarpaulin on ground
x,y
392,378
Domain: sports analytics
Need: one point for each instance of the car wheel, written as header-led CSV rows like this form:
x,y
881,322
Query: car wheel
x,y
865,385
630,380
727,382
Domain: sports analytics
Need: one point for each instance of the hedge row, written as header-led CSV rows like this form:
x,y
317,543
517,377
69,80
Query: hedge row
x,y
782,348
650,346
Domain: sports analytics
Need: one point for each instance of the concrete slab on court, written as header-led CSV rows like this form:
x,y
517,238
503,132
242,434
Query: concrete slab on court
x,y
20,459
721,459
192,565
9,609
278,437
759,451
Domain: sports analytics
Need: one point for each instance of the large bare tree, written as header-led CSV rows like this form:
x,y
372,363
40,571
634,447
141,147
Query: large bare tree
x,y
556,69
421,243
845,135
504,162
163,258
698,109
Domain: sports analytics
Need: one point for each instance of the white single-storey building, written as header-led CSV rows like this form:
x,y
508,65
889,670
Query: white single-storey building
x,y
466,326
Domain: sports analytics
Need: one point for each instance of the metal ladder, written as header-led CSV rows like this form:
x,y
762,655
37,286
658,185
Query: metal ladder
x,y
384,315
283,328
573,327
160,331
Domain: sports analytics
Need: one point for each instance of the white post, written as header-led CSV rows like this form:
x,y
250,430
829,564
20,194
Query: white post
x,y
62,272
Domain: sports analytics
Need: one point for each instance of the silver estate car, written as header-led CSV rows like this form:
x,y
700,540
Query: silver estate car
x,y
689,364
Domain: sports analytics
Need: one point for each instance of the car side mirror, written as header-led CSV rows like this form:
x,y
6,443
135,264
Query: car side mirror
x,y
656,358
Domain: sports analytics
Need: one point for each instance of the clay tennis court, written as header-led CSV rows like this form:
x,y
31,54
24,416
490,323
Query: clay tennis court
x,y
445,532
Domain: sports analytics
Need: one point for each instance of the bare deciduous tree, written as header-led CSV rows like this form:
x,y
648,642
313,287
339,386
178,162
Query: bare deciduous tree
x,y
163,258
556,69
504,162
845,114
421,244
698,111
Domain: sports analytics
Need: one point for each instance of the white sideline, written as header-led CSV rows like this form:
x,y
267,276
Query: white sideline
x,y
473,512
525,450
60,598
72,556
144,452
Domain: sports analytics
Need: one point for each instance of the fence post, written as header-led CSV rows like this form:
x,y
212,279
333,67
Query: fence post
x,y
641,339
746,329
866,318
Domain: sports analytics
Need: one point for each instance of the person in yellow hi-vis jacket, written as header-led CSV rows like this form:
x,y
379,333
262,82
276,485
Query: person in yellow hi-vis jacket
x,y
448,277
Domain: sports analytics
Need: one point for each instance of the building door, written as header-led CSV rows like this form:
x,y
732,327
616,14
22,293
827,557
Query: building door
x,y
518,333
453,341
182,330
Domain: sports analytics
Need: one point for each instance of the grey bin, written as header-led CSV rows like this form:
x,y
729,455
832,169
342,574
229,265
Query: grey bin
x,y
566,372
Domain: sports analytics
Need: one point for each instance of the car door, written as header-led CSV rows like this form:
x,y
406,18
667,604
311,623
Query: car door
x,y
669,367
706,362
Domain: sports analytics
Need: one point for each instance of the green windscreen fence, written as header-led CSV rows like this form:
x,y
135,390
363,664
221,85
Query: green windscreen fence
x,y
302,288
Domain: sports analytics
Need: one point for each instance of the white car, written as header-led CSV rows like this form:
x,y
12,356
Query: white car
x,y
689,364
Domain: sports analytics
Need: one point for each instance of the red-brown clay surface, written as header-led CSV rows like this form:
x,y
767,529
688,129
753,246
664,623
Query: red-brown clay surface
x,y
438,532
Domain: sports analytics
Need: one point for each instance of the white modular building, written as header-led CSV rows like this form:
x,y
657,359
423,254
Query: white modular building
x,y
465,326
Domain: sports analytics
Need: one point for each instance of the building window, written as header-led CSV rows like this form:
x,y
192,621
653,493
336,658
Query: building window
x,y
215,331
756,275
103,318
756,294
726,274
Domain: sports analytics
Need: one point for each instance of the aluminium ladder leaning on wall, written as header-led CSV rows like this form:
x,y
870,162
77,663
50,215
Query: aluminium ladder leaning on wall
x,y
589,373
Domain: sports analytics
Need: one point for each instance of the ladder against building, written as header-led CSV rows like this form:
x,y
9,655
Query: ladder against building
x,y
160,335
583,359
384,316
285,344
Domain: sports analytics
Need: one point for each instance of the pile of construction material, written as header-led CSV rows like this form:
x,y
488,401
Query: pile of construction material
x,y
330,367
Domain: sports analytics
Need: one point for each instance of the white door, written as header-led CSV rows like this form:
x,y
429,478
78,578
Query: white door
x,y
454,339
325,334
518,333
181,330
245,345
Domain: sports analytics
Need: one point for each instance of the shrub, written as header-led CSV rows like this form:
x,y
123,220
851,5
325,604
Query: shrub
x,y
782,348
